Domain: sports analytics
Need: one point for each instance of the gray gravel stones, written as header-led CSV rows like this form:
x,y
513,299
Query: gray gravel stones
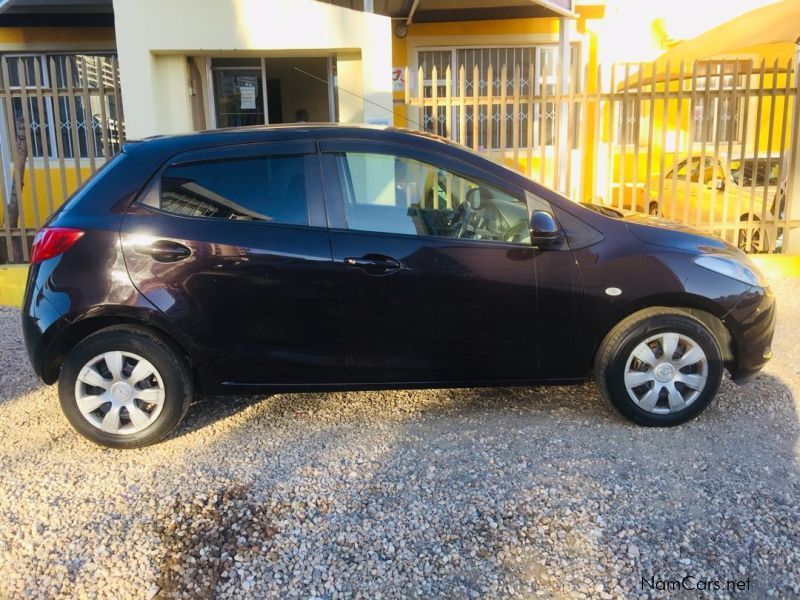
x,y
452,493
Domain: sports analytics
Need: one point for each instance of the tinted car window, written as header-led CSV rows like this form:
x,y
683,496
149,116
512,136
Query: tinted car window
x,y
393,194
710,171
763,171
271,189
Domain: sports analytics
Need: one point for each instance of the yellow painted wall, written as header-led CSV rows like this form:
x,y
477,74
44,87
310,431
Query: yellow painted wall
x,y
35,213
52,39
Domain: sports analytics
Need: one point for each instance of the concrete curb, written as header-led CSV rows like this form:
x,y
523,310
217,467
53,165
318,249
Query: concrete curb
x,y
12,284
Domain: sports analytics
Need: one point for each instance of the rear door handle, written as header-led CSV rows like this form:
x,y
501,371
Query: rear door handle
x,y
373,264
165,251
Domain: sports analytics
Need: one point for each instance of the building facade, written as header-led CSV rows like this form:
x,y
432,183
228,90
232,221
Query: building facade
x,y
79,77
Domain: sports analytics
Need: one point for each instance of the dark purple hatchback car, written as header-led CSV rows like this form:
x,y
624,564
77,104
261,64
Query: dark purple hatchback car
x,y
322,257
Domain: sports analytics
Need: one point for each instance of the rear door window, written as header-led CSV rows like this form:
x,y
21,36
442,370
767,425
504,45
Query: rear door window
x,y
269,189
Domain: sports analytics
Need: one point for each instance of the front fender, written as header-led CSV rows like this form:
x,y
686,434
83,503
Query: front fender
x,y
672,280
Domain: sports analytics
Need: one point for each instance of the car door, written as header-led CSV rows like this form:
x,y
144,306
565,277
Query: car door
x,y
232,245
436,272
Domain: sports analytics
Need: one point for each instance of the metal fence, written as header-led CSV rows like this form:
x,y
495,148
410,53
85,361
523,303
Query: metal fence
x,y
61,120
712,144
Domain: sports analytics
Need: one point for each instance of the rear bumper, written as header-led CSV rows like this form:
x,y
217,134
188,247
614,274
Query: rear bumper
x,y
752,321
38,317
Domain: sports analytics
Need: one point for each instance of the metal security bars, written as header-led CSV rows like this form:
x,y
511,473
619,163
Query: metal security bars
x,y
712,144
61,120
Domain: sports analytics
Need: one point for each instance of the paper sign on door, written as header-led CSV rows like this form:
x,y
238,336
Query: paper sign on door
x,y
248,96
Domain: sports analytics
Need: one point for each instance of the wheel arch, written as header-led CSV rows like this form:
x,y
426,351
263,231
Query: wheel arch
x,y
73,332
695,306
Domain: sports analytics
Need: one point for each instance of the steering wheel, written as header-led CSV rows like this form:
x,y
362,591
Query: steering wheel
x,y
461,219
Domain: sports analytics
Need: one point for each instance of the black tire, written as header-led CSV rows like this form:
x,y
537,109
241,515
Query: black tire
x,y
612,357
170,363
755,246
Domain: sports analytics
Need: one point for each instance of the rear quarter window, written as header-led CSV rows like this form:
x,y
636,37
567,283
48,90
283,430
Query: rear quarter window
x,y
270,189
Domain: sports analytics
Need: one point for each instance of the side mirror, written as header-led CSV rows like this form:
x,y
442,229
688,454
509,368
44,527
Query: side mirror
x,y
719,185
544,229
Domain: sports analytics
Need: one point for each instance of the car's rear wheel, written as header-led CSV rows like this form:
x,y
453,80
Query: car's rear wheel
x,y
125,387
659,367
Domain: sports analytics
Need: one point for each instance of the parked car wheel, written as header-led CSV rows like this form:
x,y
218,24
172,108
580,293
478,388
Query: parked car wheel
x,y
125,387
755,246
659,367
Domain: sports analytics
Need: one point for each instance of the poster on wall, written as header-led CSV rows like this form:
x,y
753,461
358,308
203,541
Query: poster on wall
x,y
248,97
398,79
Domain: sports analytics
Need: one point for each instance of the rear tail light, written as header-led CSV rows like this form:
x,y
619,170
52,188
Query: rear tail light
x,y
52,241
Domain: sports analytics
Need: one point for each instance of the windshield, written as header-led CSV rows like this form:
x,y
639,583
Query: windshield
x,y
765,172
710,171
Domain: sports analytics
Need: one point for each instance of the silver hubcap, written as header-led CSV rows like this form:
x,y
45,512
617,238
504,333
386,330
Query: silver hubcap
x,y
119,392
666,373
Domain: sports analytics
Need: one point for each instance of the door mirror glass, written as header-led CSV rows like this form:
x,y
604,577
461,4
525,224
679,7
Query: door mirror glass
x,y
544,229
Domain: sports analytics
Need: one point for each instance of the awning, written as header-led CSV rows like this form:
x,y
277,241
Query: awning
x,y
100,12
56,13
437,11
773,23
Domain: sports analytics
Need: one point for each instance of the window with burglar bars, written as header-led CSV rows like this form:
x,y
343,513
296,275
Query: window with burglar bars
x,y
544,60
719,121
77,119
629,118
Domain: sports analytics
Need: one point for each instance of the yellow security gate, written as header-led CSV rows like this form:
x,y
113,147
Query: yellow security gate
x,y
712,144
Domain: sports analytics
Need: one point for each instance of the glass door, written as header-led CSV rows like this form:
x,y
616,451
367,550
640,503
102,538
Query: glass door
x,y
238,92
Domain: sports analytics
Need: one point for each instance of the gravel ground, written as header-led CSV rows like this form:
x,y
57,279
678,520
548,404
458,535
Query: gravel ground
x,y
465,494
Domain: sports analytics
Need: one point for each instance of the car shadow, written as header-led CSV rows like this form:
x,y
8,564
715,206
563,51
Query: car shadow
x,y
207,410
581,400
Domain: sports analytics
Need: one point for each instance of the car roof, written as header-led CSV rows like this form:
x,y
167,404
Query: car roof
x,y
267,133
162,148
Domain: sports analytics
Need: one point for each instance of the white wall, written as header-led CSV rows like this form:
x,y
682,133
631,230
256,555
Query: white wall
x,y
154,38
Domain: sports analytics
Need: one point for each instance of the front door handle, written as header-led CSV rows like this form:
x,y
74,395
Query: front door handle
x,y
373,264
165,251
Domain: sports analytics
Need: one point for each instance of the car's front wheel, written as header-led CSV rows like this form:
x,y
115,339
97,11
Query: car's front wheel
x,y
659,367
125,387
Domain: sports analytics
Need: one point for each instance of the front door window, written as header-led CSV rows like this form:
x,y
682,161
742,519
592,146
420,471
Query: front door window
x,y
384,193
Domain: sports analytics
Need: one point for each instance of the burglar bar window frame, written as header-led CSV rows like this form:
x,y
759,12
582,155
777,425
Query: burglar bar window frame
x,y
64,128
539,50
714,127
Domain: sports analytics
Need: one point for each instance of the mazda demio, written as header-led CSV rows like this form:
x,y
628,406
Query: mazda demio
x,y
339,257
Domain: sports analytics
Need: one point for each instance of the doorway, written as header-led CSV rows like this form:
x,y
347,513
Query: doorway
x,y
260,91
